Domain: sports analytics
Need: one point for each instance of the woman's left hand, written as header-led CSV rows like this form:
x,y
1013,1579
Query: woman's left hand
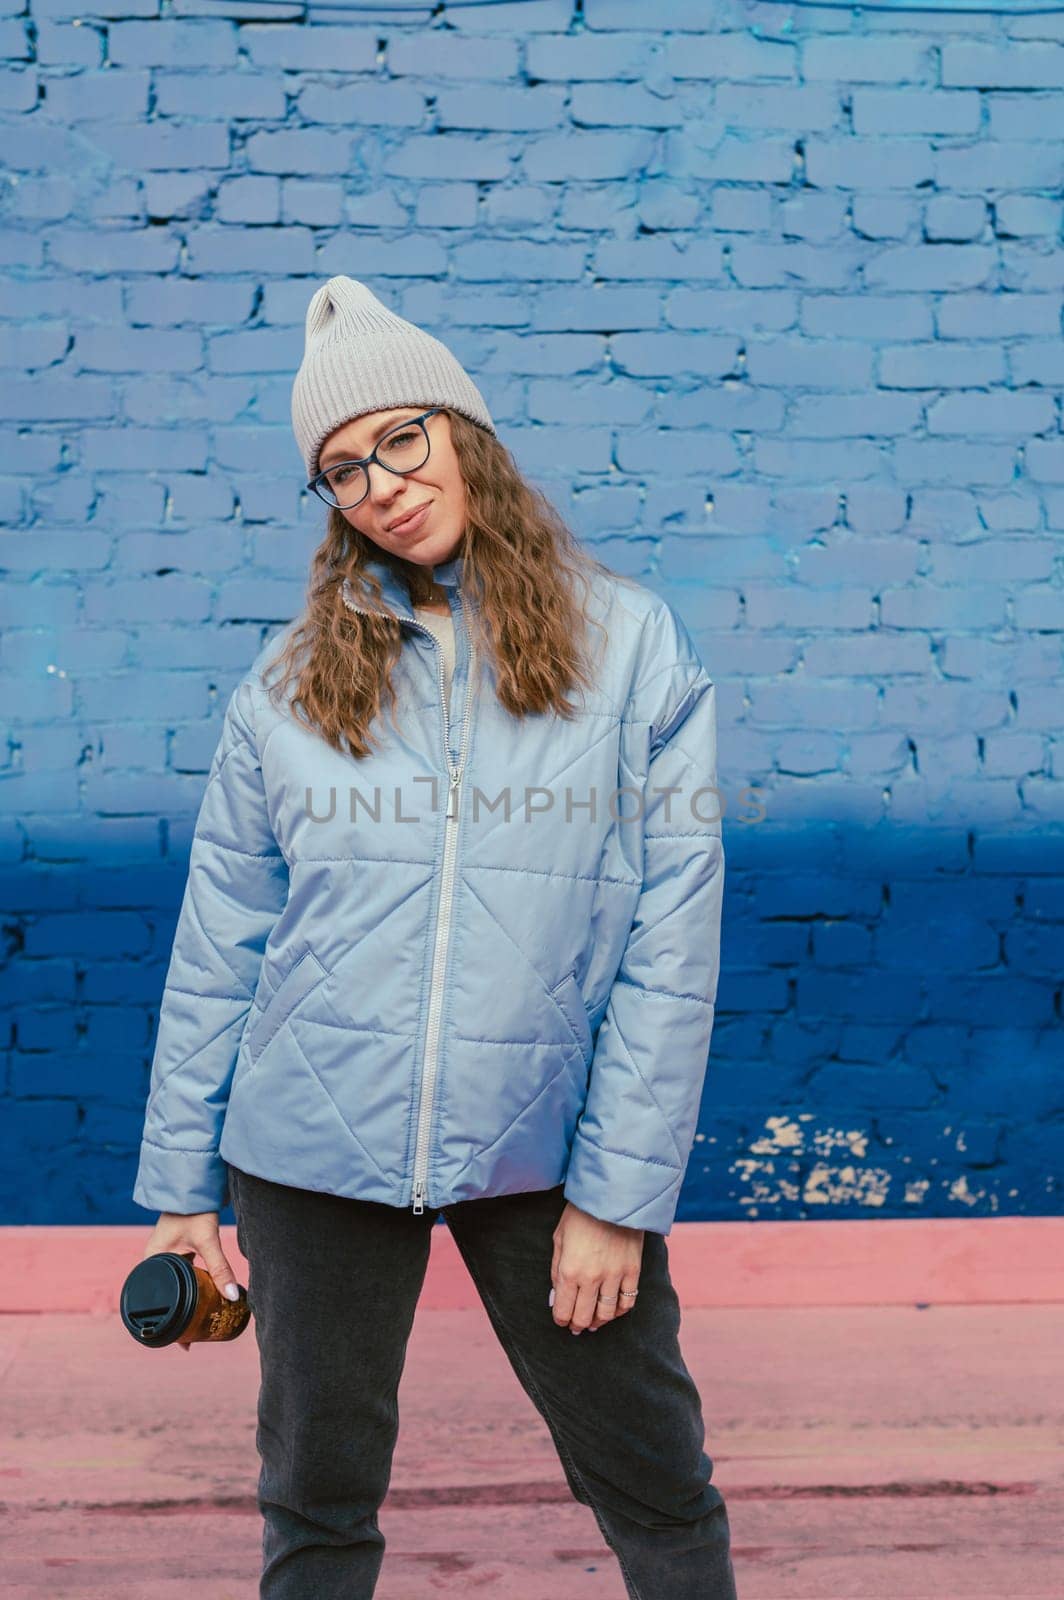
x,y
593,1258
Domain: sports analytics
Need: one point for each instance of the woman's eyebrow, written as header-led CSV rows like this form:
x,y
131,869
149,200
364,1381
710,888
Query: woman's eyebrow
x,y
342,455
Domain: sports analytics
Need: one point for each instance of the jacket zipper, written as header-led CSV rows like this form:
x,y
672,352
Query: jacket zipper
x,y
426,1091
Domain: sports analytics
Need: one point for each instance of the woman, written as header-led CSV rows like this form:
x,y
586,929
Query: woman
x,y
449,945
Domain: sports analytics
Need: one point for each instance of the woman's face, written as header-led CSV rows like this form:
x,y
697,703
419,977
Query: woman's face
x,y
438,485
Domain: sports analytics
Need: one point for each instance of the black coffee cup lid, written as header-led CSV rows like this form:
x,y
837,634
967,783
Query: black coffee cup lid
x,y
158,1298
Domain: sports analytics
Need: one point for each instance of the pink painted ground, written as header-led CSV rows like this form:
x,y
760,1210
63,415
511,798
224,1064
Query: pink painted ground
x,y
865,1447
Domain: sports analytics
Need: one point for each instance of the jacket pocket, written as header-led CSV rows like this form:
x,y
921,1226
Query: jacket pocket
x,y
570,1002
297,983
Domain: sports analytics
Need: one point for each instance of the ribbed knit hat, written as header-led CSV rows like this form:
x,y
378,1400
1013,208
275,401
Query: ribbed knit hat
x,y
359,357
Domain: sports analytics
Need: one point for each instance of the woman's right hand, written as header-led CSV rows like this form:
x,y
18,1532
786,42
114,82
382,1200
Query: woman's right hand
x,y
196,1232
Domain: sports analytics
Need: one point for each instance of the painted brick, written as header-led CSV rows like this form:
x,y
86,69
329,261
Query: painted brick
x,y
772,313
181,94
852,59
14,41
302,49
801,107
480,59
596,156
86,97
448,156
63,44
381,105
955,217
868,163
981,166
912,110
164,43
735,158
994,66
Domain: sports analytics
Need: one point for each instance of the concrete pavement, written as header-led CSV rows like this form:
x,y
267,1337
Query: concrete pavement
x,y
896,1450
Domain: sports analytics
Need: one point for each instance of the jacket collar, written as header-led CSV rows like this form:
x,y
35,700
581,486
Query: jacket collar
x,y
446,573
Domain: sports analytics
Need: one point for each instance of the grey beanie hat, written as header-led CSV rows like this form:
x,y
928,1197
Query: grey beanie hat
x,y
359,357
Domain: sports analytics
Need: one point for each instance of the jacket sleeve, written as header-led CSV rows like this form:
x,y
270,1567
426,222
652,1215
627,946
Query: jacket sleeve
x,y
236,889
635,1134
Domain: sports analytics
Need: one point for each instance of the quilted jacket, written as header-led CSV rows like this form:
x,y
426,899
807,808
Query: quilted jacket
x,y
482,959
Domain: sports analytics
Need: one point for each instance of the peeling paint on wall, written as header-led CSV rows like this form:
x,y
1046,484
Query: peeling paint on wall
x,y
788,1163
783,1134
839,1185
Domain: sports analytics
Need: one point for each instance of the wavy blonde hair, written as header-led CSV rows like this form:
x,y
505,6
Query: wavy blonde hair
x,y
520,562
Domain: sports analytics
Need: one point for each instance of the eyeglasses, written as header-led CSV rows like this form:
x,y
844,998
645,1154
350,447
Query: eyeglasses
x,y
403,449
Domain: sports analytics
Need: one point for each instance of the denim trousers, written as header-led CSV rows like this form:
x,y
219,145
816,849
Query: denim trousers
x,y
333,1284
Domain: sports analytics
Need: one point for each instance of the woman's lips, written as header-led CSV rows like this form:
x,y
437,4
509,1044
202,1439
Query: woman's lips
x,y
414,522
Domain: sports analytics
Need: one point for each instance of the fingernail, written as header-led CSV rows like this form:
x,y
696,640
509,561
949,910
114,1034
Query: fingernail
x,y
550,1298
231,1292
576,1332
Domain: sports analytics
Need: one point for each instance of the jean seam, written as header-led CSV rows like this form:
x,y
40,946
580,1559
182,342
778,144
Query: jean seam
x,y
287,1486
630,1584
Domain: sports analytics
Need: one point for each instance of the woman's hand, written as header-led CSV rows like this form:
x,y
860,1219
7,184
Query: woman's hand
x,y
185,1235
592,1257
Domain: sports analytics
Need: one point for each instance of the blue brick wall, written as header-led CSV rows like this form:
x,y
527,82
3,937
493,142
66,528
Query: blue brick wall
x,y
771,308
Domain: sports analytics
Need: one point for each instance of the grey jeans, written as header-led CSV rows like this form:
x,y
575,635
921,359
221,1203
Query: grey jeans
x,y
333,1284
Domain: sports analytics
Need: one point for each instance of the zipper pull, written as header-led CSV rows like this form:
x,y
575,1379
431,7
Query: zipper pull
x,y
452,797
419,1197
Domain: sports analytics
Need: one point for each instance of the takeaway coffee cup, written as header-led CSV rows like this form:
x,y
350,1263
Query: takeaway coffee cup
x,y
166,1298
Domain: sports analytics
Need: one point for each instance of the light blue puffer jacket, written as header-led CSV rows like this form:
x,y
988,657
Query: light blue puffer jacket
x,y
382,987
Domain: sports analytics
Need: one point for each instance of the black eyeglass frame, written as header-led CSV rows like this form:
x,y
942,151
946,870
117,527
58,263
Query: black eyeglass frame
x,y
405,422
